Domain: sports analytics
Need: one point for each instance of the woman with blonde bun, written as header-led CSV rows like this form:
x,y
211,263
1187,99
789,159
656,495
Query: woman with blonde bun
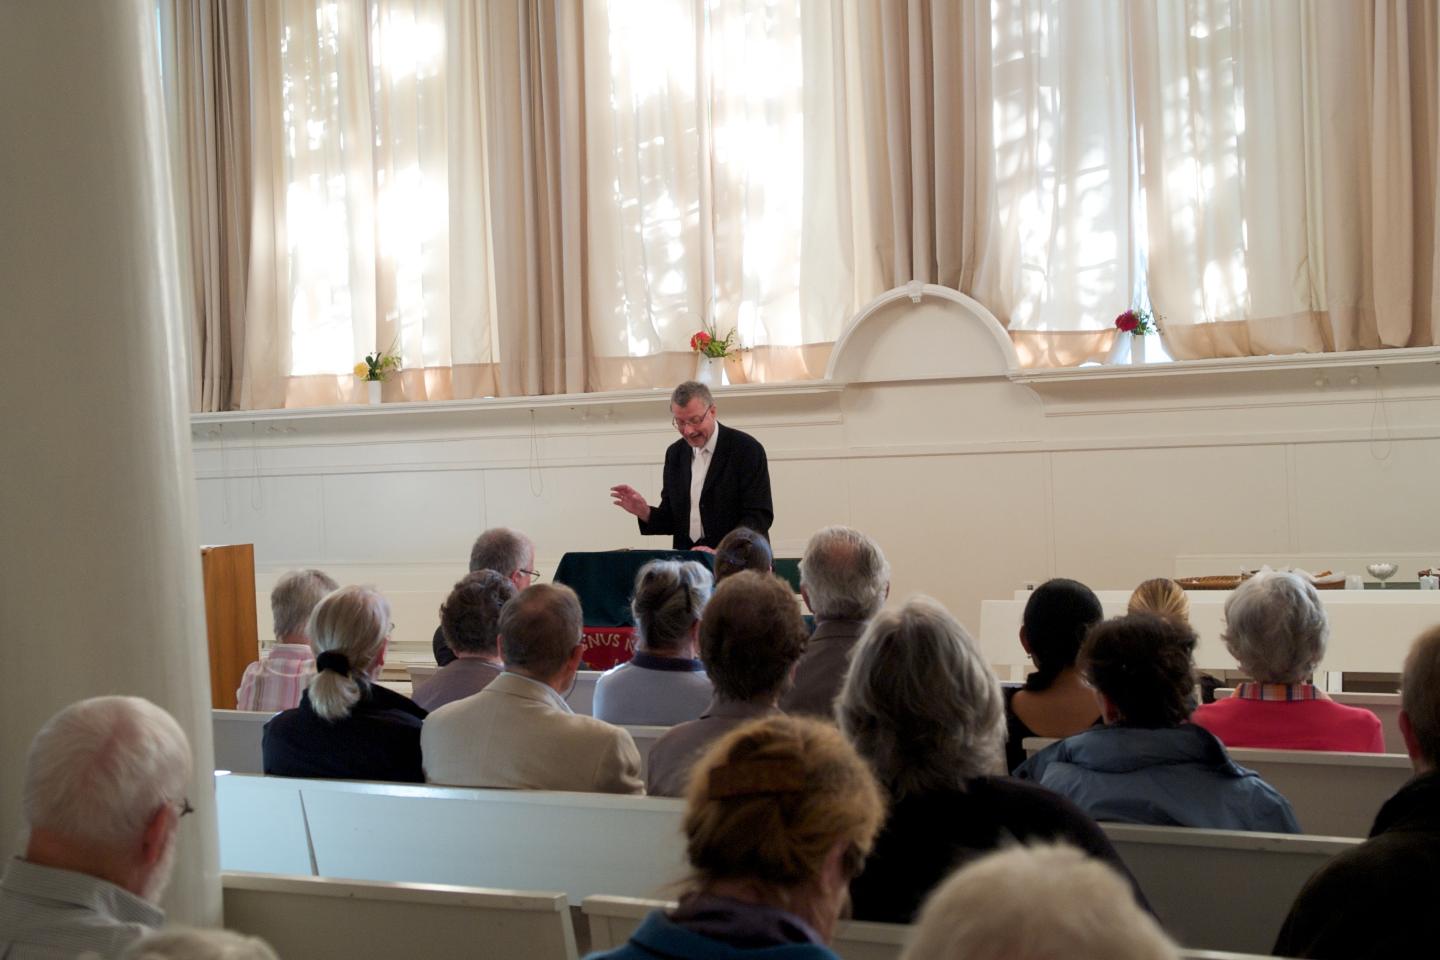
x,y
1163,597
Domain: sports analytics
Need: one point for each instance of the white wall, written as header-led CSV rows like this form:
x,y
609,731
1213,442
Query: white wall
x,y
972,483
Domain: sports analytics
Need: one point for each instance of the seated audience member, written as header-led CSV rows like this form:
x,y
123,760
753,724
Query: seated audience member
x,y
1163,597
1374,901
924,710
844,579
742,549
1276,627
470,620
778,818
276,680
519,732
1054,702
507,552
347,727
750,638
1036,903
184,943
663,683
1147,764
103,794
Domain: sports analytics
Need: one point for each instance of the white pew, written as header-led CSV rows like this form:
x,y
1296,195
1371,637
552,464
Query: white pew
x,y
613,919
1221,889
237,736
1215,889
314,917
582,696
1386,706
1332,794
419,674
580,843
645,737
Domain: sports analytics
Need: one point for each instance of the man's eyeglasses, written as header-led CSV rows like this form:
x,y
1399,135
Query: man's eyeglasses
x,y
532,574
682,423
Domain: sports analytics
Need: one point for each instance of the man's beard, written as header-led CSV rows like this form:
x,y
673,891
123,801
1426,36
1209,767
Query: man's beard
x,y
159,880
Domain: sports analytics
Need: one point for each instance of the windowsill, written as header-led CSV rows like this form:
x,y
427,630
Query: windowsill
x,y
1351,360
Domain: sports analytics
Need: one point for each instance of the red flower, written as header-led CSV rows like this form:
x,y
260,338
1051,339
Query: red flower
x,y
1127,322
699,341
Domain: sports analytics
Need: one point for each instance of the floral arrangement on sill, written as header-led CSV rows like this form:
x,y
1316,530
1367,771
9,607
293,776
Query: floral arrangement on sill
x,y
707,344
1139,322
379,365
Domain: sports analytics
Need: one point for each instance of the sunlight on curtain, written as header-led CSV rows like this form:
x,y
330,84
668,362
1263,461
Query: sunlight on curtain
x,y
1064,178
710,188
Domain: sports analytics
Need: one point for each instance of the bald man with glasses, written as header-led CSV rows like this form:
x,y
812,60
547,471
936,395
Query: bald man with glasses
x,y
716,479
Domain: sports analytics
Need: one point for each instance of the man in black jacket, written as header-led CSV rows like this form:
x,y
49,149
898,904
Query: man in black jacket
x,y
716,479
1377,899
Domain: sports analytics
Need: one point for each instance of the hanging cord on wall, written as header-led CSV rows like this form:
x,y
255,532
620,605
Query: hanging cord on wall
x,y
219,434
257,497
1380,422
537,478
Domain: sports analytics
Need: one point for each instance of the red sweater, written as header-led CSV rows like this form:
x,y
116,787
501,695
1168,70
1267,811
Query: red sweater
x,y
1292,725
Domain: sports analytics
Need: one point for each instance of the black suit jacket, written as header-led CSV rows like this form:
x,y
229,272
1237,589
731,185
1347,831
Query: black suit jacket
x,y
736,491
380,740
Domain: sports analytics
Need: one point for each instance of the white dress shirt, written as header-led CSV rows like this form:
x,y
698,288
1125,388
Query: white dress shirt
x,y
698,468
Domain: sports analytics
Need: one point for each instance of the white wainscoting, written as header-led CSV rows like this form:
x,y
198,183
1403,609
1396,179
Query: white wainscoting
x,y
972,485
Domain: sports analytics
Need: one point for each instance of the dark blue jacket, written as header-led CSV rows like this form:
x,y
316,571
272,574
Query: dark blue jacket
x,y
380,740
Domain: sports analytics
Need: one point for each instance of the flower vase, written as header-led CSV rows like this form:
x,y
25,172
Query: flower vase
x,y
710,371
1139,348
373,388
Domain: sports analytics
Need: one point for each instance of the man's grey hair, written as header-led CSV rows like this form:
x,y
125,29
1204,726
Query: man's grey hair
x,y
1420,693
919,702
1276,627
98,771
844,574
1036,903
502,550
185,943
540,628
689,390
295,596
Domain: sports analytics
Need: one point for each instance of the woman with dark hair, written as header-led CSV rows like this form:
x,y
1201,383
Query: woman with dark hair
x,y
742,549
924,710
1054,701
1147,764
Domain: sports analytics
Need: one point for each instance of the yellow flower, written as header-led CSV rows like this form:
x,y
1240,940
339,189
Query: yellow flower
x,y
361,370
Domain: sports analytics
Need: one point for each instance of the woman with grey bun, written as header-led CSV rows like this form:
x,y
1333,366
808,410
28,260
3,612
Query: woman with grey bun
x,y
664,683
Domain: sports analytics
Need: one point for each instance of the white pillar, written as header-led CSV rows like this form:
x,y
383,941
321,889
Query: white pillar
x,y
99,559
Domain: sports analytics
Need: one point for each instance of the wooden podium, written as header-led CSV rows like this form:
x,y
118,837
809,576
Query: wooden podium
x,y
230,626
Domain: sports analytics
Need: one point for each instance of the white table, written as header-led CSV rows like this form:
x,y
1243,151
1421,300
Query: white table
x,y
1370,630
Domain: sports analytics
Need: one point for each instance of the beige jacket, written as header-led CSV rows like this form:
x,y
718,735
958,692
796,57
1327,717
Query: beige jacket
x,y
519,733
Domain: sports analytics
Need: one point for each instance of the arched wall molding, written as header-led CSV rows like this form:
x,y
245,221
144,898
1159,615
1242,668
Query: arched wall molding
x,y
922,331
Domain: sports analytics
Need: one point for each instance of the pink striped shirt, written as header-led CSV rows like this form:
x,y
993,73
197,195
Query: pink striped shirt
x,y
276,680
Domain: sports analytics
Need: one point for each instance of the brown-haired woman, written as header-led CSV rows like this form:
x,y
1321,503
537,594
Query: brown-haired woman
x,y
779,817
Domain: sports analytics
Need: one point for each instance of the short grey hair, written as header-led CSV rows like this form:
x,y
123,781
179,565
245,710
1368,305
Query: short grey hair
x,y
98,771
1276,627
670,596
1035,903
184,943
689,390
1420,693
295,596
502,550
354,621
844,574
539,629
920,703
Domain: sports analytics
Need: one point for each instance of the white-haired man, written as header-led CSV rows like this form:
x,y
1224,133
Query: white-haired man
x,y
509,553
844,579
104,793
275,681
1375,900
